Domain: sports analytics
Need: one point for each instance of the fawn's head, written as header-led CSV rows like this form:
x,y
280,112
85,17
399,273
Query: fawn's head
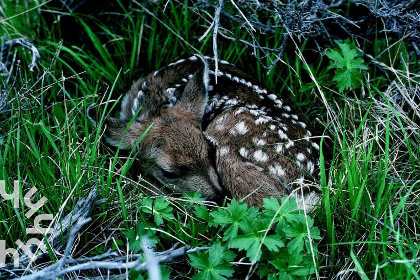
x,y
174,143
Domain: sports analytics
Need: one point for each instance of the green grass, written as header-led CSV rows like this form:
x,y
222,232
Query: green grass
x,y
369,175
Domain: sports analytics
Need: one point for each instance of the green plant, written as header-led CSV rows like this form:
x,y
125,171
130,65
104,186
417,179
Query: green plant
x,y
214,264
347,64
278,239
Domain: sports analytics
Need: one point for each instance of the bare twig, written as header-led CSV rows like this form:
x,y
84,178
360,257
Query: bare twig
x,y
7,47
215,31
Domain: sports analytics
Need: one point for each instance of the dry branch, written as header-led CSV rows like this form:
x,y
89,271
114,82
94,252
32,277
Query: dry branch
x,y
320,20
6,49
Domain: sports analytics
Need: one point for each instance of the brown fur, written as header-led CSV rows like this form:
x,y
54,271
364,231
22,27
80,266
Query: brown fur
x,y
261,147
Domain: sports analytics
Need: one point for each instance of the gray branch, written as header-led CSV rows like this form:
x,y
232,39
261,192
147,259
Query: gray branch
x,y
7,47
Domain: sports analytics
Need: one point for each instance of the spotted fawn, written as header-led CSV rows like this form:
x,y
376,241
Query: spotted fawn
x,y
229,136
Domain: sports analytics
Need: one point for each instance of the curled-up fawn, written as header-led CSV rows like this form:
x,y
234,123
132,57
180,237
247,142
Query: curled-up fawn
x,y
231,136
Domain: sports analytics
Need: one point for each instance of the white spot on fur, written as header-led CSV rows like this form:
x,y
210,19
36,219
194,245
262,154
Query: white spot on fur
x,y
232,102
220,123
239,111
259,142
283,126
315,145
278,102
253,106
262,120
279,148
272,96
258,90
287,108
184,80
309,151
300,157
276,170
177,85
294,117
302,124
264,134
156,72
193,58
285,115
210,88
228,75
282,135
254,112
239,128
289,144
273,127
190,76
236,79
223,151
243,152
310,166
260,156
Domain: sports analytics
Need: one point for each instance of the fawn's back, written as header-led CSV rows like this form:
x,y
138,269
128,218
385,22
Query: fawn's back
x,y
230,136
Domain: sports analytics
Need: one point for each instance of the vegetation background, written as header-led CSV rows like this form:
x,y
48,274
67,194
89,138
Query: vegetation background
x,y
358,89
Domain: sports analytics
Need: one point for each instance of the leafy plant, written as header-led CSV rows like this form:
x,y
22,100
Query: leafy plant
x,y
214,264
280,237
277,239
159,208
347,64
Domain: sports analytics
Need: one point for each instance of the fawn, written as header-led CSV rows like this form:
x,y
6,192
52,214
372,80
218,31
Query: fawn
x,y
231,136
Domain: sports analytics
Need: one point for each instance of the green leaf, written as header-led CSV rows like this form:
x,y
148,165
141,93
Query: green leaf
x,y
232,216
348,66
273,243
159,208
133,240
195,197
134,237
300,230
214,264
286,211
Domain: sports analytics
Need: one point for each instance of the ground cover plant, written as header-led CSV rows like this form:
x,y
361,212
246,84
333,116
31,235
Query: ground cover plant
x,y
351,67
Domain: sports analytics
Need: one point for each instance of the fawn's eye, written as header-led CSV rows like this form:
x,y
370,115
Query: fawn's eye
x,y
181,171
170,175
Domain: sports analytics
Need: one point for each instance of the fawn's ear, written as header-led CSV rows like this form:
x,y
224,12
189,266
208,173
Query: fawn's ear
x,y
119,134
132,102
195,96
